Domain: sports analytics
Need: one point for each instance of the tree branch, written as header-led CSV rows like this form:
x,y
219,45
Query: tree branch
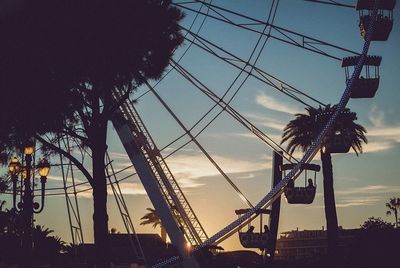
x,y
73,133
78,164
119,102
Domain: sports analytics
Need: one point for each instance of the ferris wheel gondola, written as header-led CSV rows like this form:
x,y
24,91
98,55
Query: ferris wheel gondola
x,y
301,194
251,238
363,87
384,19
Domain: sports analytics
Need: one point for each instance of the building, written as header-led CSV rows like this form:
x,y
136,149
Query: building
x,y
154,249
297,245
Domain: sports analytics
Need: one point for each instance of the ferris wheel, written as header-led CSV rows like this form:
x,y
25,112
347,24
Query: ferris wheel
x,y
227,57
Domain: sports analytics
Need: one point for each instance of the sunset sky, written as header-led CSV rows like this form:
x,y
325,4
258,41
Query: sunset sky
x,y
362,184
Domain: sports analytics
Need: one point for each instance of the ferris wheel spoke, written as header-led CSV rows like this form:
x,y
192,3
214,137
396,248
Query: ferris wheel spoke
x,y
284,35
331,2
271,16
193,139
231,111
186,49
263,76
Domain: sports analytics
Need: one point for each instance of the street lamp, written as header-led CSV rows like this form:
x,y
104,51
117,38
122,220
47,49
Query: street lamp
x,y
26,205
14,168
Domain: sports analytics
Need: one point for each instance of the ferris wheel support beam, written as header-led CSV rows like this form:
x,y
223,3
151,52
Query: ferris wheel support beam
x,y
277,161
150,184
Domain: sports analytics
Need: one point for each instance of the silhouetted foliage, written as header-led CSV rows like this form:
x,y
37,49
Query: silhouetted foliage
x,y
152,218
394,207
299,134
59,62
375,246
376,224
46,247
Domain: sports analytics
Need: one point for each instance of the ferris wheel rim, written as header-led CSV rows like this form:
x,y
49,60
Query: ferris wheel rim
x,y
307,157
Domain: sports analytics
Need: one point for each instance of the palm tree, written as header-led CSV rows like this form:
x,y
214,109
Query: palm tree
x,y
301,131
394,206
153,218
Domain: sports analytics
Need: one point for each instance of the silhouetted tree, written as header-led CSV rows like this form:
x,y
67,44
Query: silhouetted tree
x,y
73,54
376,224
301,131
376,245
152,218
394,207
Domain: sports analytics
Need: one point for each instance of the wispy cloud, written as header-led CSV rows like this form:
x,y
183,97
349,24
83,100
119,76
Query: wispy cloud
x,y
376,116
381,137
247,176
370,189
114,155
192,166
127,188
54,178
275,138
273,104
385,133
188,166
266,121
357,202
377,146
59,178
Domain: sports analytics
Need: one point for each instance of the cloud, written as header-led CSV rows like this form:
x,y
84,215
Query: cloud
x,y
54,178
377,146
249,135
188,167
59,178
114,155
376,117
247,176
381,137
357,202
370,189
127,188
276,105
267,121
385,133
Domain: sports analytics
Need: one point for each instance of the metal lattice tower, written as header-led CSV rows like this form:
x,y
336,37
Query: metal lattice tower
x,y
145,156
68,177
123,209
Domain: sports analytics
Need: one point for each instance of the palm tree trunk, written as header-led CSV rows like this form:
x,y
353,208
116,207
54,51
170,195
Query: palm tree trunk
x,y
100,217
163,234
395,215
330,206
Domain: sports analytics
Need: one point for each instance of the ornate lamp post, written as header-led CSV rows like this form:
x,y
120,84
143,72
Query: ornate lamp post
x,y
26,205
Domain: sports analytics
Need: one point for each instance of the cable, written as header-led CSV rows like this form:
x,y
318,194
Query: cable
x,y
186,50
254,21
330,2
264,74
241,195
231,111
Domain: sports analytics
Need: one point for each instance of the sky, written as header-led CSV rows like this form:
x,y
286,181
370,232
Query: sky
x,y
362,184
